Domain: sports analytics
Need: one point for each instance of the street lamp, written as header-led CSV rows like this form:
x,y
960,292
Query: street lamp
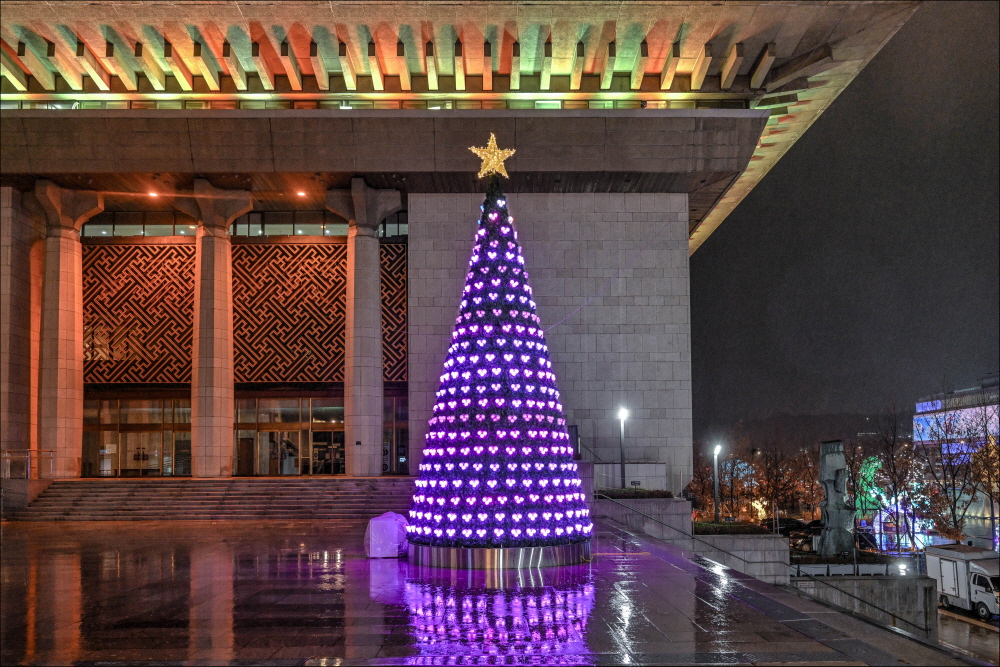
x,y
715,464
622,416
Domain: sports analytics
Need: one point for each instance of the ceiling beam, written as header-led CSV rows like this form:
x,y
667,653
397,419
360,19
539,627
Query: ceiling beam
x,y
206,65
178,67
114,60
432,72
609,66
92,66
346,69
731,66
320,71
639,68
150,67
63,49
405,81
11,70
701,65
291,65
375,67
234,66
263,69
808,64
459,65
487,66
578,62
670,66
38,69
546,74
515,66
762,66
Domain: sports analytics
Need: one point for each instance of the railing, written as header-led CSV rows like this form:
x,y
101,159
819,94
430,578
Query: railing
x,y
27,464
792,568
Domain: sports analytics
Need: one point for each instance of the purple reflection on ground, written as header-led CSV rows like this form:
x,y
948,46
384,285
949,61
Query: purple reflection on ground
x,y
540,615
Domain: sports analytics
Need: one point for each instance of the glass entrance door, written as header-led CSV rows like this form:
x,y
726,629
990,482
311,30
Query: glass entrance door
x,y
140,453
328,453
277,453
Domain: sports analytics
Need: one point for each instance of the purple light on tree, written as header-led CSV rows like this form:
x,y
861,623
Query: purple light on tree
x,y
498,468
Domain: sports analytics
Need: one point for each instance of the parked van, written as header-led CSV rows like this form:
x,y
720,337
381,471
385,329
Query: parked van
x,y
967,577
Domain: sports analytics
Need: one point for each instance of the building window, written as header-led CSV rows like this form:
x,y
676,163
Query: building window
x,y
109,224
395,436
394,226
137,438
289,436
289,223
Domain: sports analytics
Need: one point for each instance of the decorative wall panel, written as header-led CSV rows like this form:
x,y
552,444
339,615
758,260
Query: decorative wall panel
x,y
392,258
138,308
289,313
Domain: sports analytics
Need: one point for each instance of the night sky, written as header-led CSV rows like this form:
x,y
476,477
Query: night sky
x,y
863,269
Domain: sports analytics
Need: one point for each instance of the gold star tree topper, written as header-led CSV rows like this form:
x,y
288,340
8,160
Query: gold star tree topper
x,y
492,157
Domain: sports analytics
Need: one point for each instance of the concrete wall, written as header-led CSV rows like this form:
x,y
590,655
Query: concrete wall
x,y
610,277
764,557
674,512
912,599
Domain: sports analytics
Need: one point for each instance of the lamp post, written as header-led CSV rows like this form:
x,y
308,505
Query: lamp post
x,y
622,415
715,465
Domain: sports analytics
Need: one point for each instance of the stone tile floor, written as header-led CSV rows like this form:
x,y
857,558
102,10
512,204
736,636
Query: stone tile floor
x,y
304,594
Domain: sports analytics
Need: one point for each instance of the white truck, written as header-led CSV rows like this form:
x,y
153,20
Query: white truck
x,y
967,577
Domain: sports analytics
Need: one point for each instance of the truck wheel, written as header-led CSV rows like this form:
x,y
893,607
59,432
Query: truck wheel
x,y
983,612
944,602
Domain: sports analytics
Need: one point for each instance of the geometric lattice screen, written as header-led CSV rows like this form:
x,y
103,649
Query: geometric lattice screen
x,y
392,258
289,309
137,313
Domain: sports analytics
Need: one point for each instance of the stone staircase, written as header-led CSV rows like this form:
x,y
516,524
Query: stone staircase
x,y
345,501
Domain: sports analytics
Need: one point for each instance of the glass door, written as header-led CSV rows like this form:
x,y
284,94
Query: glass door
x,y
277,453
327,453
140,455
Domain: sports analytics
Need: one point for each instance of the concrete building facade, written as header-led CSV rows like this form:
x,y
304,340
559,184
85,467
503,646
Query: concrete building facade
x,y
237,249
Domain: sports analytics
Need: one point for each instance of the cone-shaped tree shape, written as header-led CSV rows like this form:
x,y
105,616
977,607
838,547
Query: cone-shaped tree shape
x,y
498,467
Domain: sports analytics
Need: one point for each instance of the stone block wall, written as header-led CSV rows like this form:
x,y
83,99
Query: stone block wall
x,y
912,600
765,557
667,519
610,277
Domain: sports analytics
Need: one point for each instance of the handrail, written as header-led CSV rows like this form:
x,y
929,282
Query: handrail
x,y
873,606
715,548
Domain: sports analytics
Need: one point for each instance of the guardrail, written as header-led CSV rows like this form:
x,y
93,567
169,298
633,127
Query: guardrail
x,y
27,464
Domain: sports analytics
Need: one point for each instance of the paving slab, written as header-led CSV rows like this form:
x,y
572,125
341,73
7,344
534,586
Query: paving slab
x,y
303,593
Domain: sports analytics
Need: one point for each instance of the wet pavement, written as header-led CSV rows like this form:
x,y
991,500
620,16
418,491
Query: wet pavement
x,y
970,636
303,593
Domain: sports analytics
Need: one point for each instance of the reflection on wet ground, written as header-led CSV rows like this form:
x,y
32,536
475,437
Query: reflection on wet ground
x,y
969,636
303,593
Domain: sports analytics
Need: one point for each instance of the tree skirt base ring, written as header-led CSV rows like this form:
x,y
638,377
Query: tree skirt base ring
x,y
459,558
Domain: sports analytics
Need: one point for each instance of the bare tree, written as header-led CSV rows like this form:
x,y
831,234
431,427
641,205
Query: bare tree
x,y
807,468
985,422
944,445
897,467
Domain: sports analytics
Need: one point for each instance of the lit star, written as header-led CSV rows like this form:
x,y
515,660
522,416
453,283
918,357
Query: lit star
x,y
492,157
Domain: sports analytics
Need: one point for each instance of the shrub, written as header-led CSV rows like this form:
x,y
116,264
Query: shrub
x,y
634,494
707,528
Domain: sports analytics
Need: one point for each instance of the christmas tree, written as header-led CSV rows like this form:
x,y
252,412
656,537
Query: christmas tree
x,y
498,469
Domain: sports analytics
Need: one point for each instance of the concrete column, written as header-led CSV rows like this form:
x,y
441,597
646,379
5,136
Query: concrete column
x,y
364,208
22,234
60,377
212,350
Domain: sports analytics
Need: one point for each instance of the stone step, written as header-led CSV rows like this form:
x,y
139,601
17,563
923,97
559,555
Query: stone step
x,y
338,501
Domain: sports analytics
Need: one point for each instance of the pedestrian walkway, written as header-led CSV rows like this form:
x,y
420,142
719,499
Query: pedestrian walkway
x,y
293,593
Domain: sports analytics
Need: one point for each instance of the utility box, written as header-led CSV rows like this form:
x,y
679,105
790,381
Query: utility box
x,y
967,577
